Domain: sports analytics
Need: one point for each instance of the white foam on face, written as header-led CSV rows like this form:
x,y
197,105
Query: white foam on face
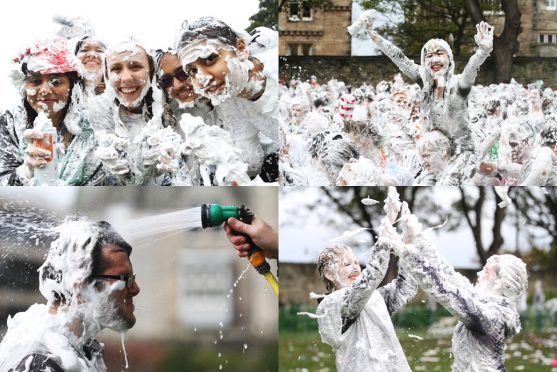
x,y
59,105
127,52
199,49
85,312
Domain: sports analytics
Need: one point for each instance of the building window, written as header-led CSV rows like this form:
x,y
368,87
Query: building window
x,y
300,49
551,4
547,38
300,10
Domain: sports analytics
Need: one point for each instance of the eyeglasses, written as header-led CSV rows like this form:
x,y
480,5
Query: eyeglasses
x,y
128,278
166,80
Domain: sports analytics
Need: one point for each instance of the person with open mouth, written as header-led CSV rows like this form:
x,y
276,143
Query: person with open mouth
x,y
47,75
445,95
137,143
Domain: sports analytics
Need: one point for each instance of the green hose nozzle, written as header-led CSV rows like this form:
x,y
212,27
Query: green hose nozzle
x,y
213,215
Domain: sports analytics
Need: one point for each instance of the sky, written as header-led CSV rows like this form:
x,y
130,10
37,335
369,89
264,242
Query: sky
x,y
301,240
153,23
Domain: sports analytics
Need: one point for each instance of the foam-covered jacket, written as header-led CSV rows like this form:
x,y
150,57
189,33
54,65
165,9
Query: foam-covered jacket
x,y
78,166
356,320
485,322
35,342
448,114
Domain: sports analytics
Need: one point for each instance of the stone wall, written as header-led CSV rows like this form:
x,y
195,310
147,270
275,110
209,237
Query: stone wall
x,y
325,31
356,70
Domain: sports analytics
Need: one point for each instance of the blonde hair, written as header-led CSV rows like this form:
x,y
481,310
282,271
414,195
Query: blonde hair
x,y
512,273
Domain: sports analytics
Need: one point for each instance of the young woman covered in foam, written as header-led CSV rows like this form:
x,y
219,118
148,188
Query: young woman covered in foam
x,y
47,75
136,144
445,95
355,318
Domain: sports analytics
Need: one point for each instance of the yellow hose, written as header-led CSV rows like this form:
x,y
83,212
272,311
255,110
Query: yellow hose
x,y
272,282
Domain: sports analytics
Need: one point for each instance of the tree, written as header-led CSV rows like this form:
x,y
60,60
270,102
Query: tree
x,y
472,209
424,20
538,207
506,44
267,16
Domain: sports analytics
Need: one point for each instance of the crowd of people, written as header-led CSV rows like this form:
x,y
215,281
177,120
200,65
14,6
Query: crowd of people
x,y
438,128
203,112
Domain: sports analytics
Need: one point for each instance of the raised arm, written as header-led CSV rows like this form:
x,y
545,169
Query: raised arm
x,y
364,27
399,291
484,40
450,289
359,293
357,296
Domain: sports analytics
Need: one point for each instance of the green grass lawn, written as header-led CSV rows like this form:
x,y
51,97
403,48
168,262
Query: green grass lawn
x,y
304,351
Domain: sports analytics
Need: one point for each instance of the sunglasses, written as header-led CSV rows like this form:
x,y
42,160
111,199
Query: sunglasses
x,y
128,278
166,80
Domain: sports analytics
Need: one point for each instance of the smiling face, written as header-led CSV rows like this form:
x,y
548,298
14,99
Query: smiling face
x,y
218,70
91,54
48,93
181,90
345,270
437,61
128,74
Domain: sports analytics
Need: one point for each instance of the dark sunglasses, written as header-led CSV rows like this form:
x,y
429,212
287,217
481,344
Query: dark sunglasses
x,y
166,80
128,278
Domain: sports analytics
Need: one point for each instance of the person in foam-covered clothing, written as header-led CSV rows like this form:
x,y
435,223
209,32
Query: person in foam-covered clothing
x,y
89,283
137,146
47,75
239,74
91,52
486,312
355,318
445,95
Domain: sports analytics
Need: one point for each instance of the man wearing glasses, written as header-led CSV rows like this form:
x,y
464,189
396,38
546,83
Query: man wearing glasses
x,y
89,283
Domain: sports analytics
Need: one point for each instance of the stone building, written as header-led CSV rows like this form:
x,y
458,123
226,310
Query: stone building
x,y
539,28
315,31
306,31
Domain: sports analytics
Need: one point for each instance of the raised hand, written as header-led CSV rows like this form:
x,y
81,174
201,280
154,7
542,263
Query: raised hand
x,y
410,225
364,25
484,36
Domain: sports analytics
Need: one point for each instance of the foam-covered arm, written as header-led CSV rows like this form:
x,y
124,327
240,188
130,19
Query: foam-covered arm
x,y
361,290
449,288
470,72
399,291
405,64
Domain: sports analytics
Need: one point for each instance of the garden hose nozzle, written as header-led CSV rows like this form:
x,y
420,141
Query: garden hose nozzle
x,y
213,215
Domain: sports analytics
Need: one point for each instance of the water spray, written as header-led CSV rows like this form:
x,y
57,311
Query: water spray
x,y
213,215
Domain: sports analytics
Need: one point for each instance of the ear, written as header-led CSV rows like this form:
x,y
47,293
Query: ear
x,y
243,52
